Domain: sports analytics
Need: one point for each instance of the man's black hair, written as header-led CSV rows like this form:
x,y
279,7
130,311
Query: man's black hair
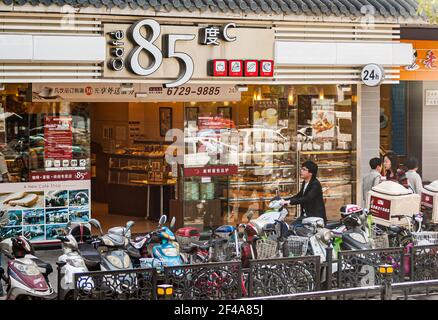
x,y
412,163
312,167
375,162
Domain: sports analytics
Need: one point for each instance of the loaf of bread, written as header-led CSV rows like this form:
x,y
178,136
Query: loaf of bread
x,y
14,196
29,200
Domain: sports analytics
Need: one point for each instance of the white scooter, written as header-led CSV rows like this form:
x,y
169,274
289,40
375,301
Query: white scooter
x,y
72,263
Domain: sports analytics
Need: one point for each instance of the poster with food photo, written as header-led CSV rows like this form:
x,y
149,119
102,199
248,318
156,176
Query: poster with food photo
x,y
22,200
323,118
55,230
34,233
79,198
80,214
33,216
58,215
57,198
15,218
11,232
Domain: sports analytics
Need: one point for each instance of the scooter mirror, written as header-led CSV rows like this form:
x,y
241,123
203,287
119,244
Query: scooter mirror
x,y
172,223
163,220
95,223
129,225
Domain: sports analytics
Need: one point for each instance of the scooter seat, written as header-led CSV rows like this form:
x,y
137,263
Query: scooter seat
x,y
395,229
333,225
44,266
270,227
90,255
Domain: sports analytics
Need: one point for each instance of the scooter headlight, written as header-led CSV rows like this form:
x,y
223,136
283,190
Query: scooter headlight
x,y
77,263
27,269
115,262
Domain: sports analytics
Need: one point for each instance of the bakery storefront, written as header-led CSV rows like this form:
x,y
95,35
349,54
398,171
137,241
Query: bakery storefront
x,y
202,123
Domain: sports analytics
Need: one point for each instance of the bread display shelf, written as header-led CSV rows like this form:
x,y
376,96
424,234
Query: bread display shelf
x,y
256,183
135,157
280,167
129,170
326,152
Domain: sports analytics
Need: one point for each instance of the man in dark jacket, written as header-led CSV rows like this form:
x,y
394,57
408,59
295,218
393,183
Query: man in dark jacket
x,y
310,196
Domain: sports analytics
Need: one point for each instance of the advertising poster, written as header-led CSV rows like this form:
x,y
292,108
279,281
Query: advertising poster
x,y
41,210
58,137
323,118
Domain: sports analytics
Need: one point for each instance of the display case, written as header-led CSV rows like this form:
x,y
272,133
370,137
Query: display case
x,y
140,173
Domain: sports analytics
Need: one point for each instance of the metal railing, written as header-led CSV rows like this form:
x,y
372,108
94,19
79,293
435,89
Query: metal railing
x,y
357,271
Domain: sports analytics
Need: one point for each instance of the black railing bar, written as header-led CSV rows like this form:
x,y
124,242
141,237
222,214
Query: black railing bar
x,y
325,293
110,272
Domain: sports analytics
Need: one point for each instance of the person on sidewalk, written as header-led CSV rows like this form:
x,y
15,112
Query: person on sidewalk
x,y
373,178
310,196
393,171
414,180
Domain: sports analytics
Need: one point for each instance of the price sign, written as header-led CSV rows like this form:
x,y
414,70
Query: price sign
x,y
372,75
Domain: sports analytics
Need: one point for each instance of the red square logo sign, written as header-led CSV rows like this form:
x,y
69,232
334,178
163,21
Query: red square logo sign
x,y
235,68
220,68
251,68
267,68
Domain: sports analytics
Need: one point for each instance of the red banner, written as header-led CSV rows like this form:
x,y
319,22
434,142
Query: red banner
x,y
210,171
59,176
58,138
426,200
380,208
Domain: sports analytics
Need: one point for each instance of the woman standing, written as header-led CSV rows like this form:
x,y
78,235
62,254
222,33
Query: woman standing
x,y
392,170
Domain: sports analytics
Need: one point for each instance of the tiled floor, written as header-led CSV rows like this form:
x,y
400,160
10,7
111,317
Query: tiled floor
x,y
99,211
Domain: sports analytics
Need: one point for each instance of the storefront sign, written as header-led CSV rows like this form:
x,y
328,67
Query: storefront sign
x,y
426,200
182,52
58,138
135,92
41,210
380,208
210,171
372,75
424,65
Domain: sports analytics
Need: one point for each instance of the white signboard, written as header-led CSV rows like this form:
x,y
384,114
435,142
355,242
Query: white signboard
x,y
431,98
41,210
136,92
372,75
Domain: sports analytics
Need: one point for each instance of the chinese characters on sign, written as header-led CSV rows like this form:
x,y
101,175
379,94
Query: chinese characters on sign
x,y
210,171
58,138
211,35
380,208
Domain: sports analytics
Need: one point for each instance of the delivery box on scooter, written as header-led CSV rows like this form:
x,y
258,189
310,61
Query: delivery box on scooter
x,y
388,200
429,201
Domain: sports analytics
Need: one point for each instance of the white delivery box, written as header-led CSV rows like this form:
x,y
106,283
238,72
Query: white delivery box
x,y
388,200
429,197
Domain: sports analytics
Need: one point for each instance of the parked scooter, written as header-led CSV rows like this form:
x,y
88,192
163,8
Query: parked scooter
x,y
27,276
160,248
72,263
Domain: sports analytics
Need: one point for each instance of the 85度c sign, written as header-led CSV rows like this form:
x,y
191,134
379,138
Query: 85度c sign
x,y
173,54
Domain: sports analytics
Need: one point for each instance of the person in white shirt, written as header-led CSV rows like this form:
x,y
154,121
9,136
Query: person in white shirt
x,y
414,180
372,179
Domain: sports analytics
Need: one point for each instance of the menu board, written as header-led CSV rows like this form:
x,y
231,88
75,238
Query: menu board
x,y
266,113
41,211
58,139
323,118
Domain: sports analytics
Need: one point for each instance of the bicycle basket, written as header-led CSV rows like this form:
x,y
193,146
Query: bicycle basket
x,y
425,238
381,241
297,246
266,249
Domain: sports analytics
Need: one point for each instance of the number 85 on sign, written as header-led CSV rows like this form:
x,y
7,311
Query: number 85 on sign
x,y
372,75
